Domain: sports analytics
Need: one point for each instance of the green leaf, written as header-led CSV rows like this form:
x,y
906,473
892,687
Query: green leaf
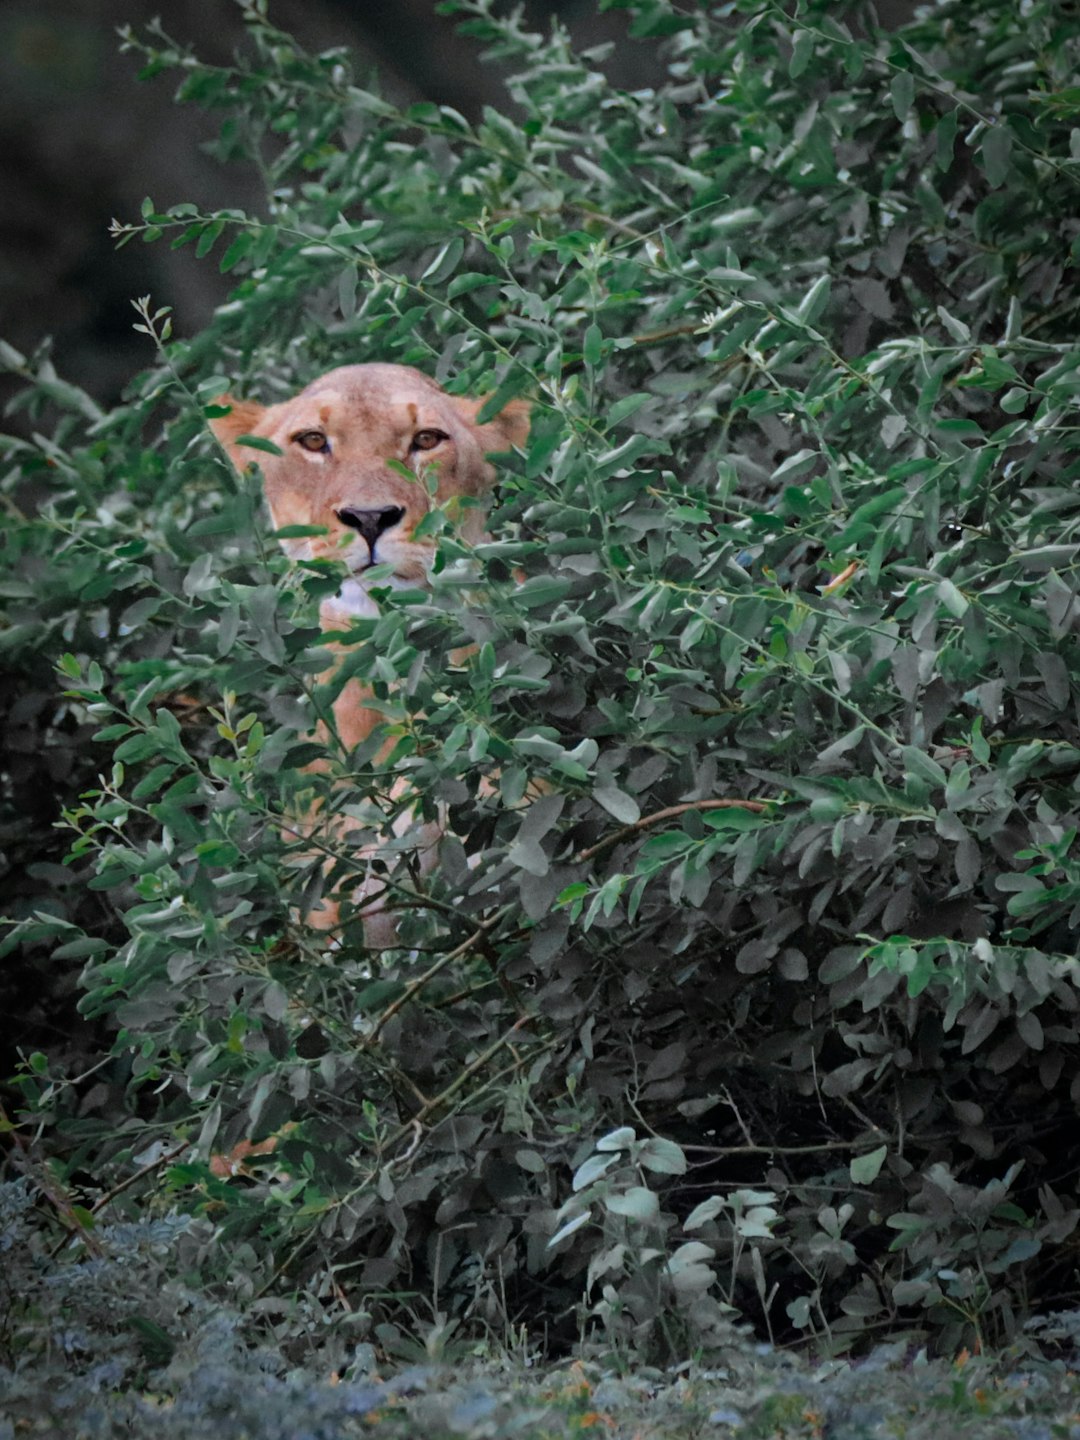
x,y
918,762
618,803
995,150
951,598
623,456
593,346
794,465
887,502
259,442
593,1168
465,284
733,818
570,1228
445,262
980,747
154,780
529,855
704,1212
217,852
813,303
275,1001
956,328
298,532
516,381
866,1168
627,406
72,950
802,52
1046,557
637,1203
208,238
235,252
662,1156
617,1139
902,92
10,358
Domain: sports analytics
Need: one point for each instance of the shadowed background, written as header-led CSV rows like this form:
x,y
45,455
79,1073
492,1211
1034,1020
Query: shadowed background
x,y
82,140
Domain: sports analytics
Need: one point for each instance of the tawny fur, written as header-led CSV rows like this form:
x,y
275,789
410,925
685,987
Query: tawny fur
x,y
370,415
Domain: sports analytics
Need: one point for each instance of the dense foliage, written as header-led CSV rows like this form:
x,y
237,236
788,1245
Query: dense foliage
x,y
748,982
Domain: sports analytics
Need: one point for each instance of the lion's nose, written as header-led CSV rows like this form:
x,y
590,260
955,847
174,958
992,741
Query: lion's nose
x,y
371,523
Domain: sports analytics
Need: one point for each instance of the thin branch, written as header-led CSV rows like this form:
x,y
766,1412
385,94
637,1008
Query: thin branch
x,y
649,337
56,1193
415,986
519,1060
457,1083
826,1145
669,332
138,1175
756,807
412,1127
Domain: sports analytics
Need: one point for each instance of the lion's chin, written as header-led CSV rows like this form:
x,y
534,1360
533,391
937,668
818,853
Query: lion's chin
x,y
353,597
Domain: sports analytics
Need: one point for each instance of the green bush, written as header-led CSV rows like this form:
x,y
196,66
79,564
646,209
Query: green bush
x,y
791,669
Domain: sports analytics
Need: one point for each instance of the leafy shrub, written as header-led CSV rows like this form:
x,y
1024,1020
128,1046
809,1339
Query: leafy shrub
x,y
774,635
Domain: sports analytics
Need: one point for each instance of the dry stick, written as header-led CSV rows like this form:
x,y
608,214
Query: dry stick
x,y
415,986
165,1159
752,1149
649,337
455,1085
782,1149
414,1127
333,1026
758,807
501,1075
669,332
57,1196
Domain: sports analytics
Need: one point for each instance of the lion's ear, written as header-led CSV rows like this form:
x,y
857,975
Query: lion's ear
x,y
505,430
243,418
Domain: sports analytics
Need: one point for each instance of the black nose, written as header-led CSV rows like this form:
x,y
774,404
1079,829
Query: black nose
x,y
371,523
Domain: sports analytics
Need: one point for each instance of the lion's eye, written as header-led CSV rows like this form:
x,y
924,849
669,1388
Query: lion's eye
x,y
313,440
428,439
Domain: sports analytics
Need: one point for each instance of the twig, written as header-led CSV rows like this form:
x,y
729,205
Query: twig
x,y
669,332
418,1135
390,1070
57,1196
729,1101
412,1127
415,986
838,581
647,337
456,1084
148,1169
519,1061
757,807
783,1149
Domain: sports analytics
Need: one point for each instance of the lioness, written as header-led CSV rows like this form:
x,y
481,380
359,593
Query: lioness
x,y
337,438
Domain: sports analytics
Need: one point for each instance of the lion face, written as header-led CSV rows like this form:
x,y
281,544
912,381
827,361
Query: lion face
x,y
339,440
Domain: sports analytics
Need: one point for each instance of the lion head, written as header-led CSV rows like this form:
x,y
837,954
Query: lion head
x,y
366,451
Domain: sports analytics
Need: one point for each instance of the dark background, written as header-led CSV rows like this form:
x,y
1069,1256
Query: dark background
x,y
82,140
